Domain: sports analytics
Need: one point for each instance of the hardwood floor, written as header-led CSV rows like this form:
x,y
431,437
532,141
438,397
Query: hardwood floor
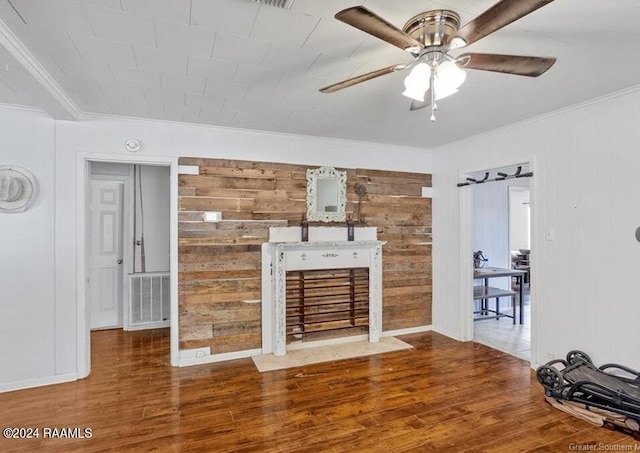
x,y
441,396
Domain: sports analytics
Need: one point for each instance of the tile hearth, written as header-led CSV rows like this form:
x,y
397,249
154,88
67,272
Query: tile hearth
x,y
328,353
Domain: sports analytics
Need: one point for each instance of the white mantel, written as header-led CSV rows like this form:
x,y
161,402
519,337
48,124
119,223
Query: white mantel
x,y
284,252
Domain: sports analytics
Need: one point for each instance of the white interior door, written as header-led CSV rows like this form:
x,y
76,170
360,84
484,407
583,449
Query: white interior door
x,y
105,254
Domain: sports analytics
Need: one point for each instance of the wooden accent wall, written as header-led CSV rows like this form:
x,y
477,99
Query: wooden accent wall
x,y
219,263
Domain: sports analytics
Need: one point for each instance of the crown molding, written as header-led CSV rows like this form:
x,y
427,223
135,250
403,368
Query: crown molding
x,y
62,107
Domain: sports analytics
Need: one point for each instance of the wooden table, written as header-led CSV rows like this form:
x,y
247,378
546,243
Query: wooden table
x,y
486,273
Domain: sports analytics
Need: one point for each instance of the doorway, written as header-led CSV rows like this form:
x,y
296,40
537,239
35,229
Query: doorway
x,y
499,224
128,246
104,290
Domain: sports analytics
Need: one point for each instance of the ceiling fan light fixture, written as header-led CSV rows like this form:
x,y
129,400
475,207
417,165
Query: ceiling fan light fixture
x,y
449,77
416,83
447,80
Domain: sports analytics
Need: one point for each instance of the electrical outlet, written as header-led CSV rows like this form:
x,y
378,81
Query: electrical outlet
x,y
194,354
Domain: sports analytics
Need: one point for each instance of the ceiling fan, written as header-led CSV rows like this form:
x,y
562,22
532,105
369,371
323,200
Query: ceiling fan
x,y
430,36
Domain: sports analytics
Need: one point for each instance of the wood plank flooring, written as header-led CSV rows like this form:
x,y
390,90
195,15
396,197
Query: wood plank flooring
x,y
440,396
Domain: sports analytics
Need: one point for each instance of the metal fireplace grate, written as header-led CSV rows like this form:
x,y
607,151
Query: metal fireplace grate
x,y
327,303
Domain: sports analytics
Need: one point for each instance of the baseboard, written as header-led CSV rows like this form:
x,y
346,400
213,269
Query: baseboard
x,y
407,331
40,382
219,357
446,333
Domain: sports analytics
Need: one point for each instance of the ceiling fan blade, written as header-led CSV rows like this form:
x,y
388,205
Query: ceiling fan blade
x,y
362,78
369,22
508,64
502,13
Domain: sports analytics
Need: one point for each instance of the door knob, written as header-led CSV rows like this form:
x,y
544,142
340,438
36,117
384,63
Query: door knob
x,y
119,261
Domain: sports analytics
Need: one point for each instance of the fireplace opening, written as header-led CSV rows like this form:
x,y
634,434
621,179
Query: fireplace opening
x,y
326,303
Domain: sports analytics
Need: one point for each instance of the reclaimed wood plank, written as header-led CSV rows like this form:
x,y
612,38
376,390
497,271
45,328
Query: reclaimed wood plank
x,y
226,183
253,196
215,204
244,172
402,175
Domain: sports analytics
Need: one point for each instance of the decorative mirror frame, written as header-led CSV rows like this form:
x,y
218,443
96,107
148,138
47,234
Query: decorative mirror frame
x,y
312,191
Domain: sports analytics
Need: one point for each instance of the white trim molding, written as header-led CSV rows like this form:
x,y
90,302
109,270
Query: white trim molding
x,y
278,258
82,312
63,107
38,382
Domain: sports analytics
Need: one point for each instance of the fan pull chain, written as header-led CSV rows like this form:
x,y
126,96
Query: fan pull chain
x,y
432,87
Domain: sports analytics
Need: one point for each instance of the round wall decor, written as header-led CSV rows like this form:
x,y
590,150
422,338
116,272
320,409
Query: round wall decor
x,y
18,188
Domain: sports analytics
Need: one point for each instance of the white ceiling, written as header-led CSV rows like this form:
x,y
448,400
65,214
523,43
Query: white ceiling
x,y
237,63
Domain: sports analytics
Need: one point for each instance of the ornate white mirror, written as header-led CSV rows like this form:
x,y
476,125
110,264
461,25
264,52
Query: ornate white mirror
x,y
326,194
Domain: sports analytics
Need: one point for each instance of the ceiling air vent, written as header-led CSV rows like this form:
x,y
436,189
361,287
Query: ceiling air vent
x,y
283,4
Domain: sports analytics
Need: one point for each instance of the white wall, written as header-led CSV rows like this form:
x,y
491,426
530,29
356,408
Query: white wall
x,y
29,332
155,221
40,321
105,136
586,191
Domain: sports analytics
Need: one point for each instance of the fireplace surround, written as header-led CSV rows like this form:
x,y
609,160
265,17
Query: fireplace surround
x,y
327,248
